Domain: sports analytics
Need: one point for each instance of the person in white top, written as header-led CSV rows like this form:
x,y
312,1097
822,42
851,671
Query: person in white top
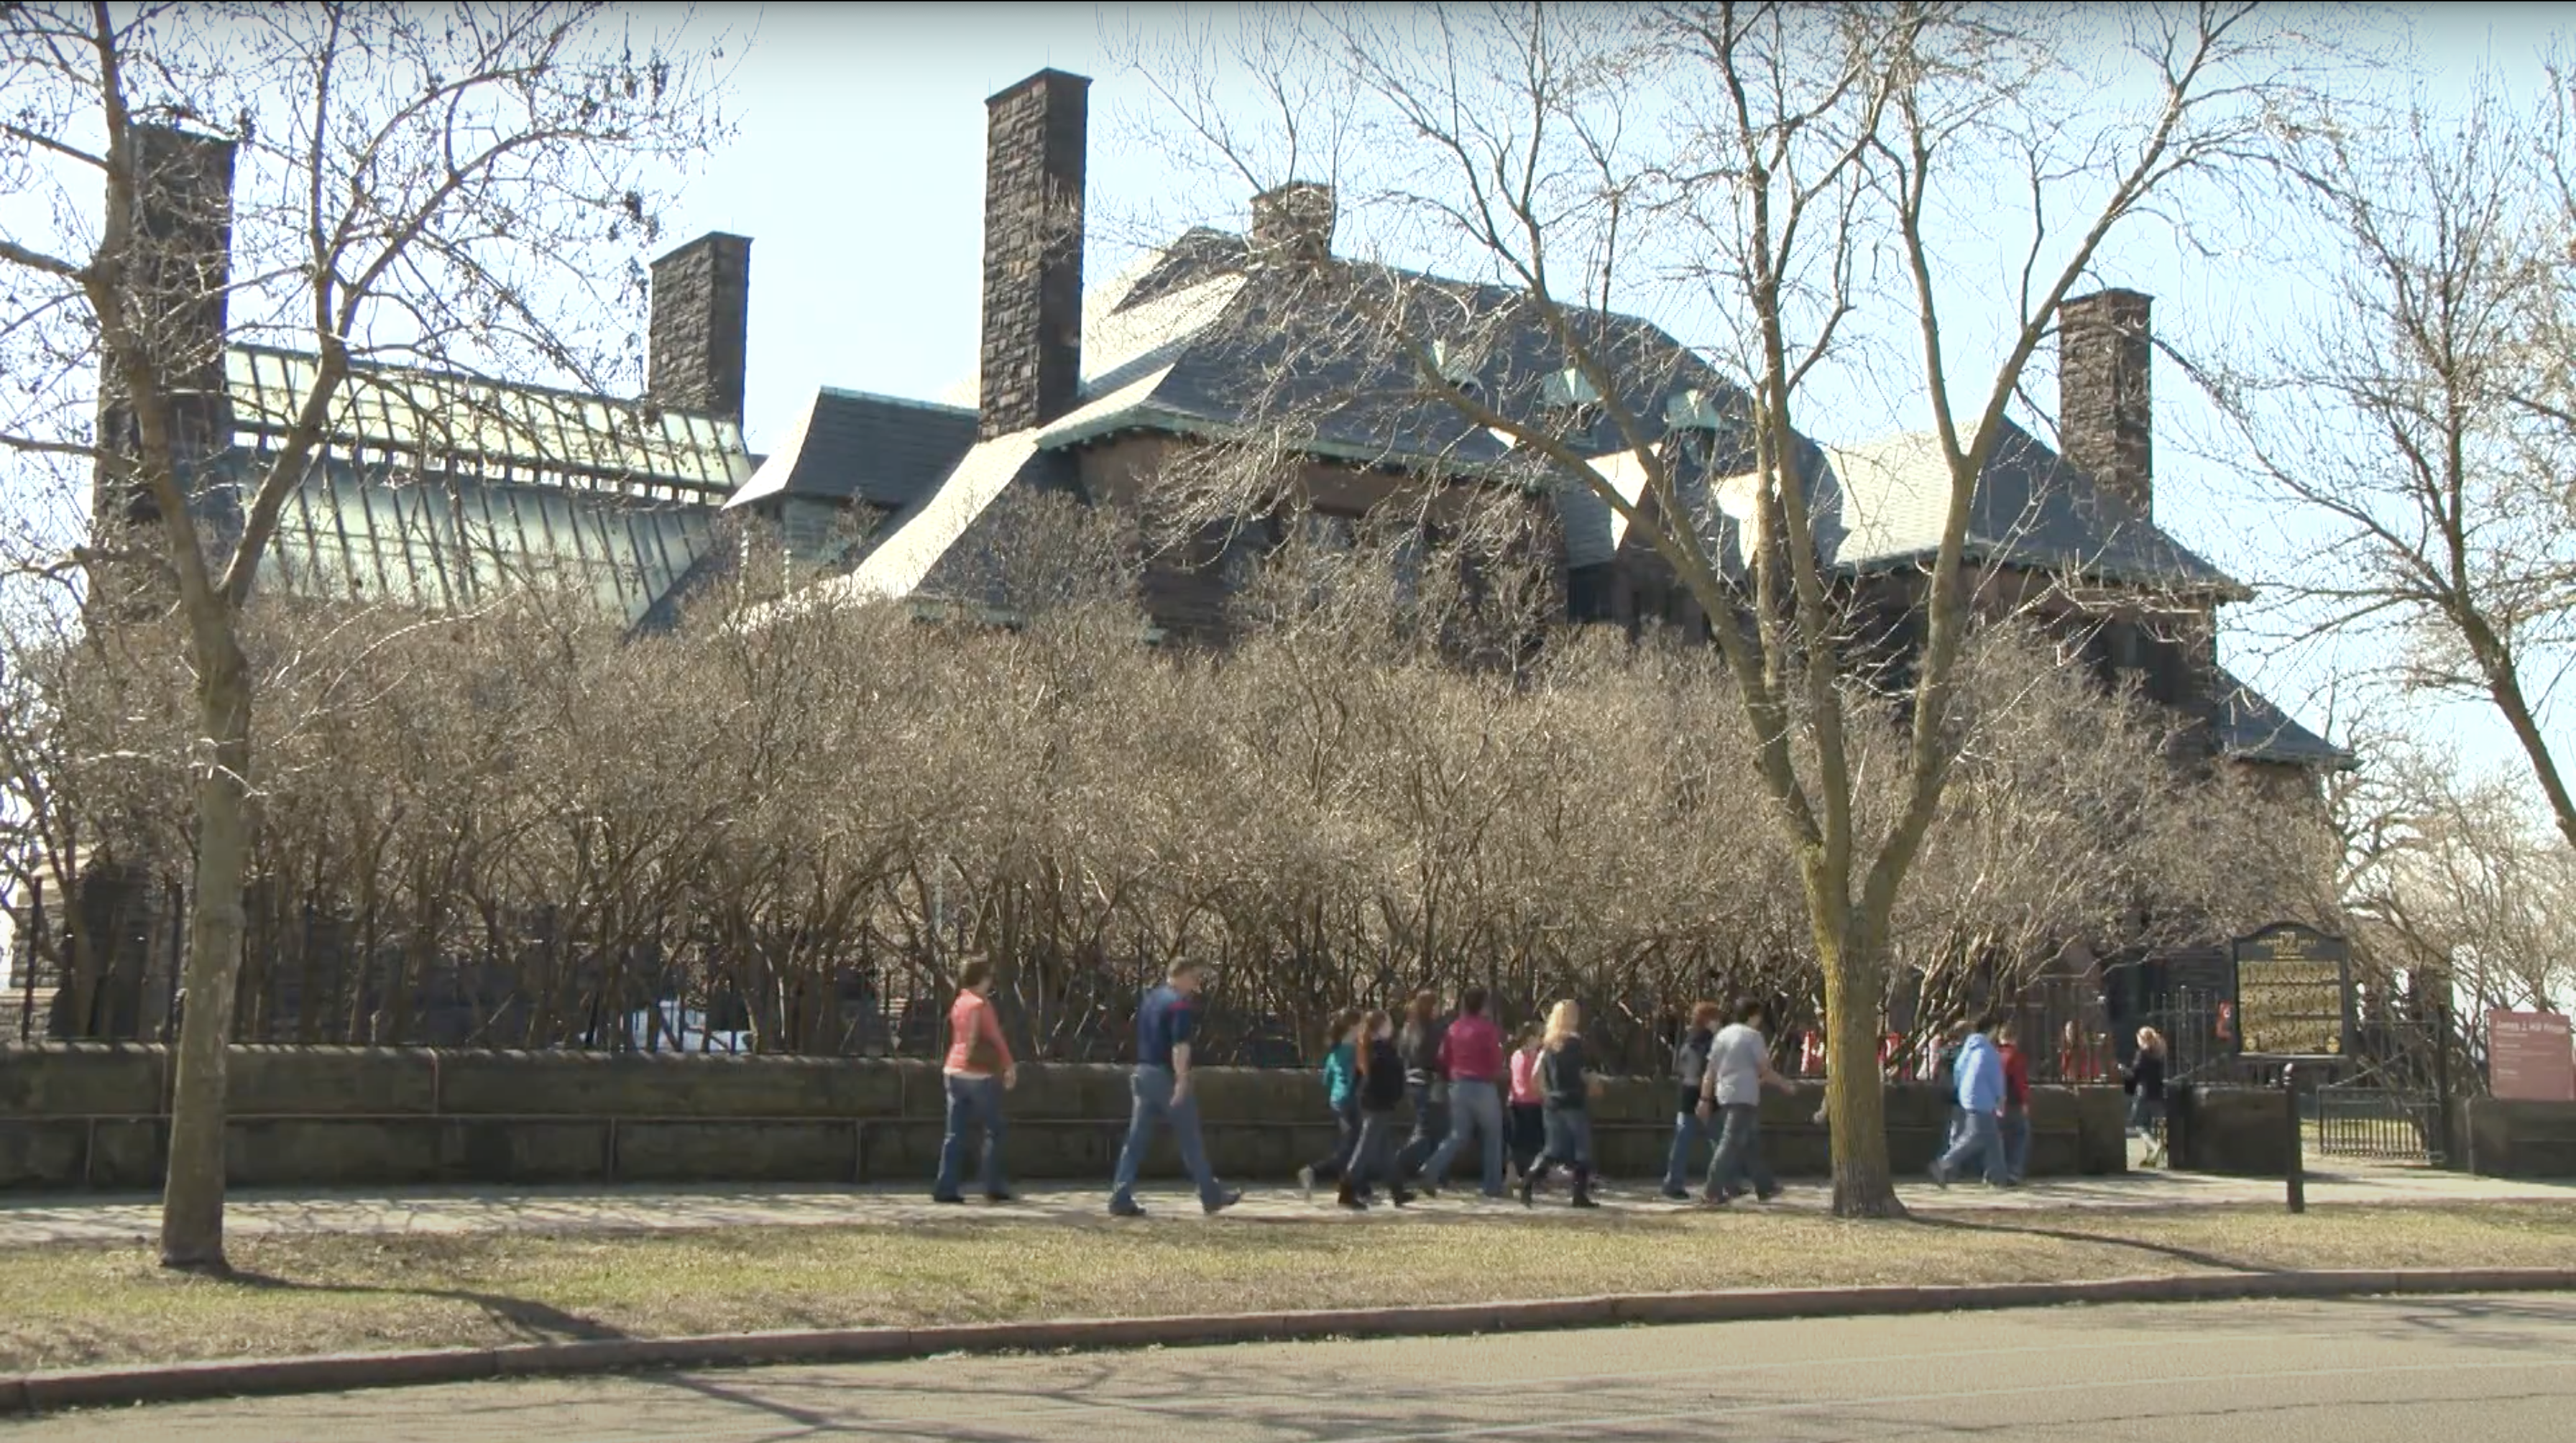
x,y
1739,1067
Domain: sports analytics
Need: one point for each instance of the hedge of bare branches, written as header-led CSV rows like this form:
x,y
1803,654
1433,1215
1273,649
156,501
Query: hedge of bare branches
x,y
522,827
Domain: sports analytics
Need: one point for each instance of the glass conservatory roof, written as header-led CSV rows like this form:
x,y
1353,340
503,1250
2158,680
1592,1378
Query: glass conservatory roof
x,y
466,426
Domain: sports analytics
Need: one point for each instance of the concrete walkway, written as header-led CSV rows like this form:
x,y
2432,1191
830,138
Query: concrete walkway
x,y
56,1218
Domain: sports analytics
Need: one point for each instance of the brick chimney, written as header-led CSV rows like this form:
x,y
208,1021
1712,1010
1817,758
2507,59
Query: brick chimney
x,y
1033,162
2105,416
181,269
1293,224
701,310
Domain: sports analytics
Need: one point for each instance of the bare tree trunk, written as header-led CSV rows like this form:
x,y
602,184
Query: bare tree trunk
x,y
192,1197
1855,1102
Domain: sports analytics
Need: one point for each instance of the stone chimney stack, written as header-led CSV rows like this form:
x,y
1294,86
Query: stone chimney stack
x,y
1293,224
1035,138
181,270
701,313
2105,416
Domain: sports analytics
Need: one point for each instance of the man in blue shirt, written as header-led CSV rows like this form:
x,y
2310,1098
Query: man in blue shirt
x,y
1980,1117
1161,1088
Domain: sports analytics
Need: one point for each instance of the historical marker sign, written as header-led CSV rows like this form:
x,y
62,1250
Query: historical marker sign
x,y
2293,992
2530,1057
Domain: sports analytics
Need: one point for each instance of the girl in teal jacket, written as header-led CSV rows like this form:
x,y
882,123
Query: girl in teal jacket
x,y
1342,1093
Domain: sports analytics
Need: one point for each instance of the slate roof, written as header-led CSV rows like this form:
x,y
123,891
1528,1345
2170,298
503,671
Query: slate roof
x,y
916,540
854,445
2244,724
1319,351
2032,509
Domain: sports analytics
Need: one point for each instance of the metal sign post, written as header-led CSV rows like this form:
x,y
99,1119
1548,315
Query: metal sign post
x,y
2296,1174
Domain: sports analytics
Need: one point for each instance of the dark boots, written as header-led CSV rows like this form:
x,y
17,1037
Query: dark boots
x,y
1349,1196
1531,1177
1582,1188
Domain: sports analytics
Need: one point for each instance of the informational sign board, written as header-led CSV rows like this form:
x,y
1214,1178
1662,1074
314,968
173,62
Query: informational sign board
x,y
2293,992
2529,1057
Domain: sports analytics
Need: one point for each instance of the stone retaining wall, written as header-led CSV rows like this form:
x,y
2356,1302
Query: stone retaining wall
x,y
94,1116
2517,1139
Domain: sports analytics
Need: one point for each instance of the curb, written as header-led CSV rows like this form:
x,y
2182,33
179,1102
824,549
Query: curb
x,y
336,1372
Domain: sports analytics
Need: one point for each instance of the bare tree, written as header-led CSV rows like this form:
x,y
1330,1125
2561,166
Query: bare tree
x,y
1769,156
443,185
2427,415
2453,875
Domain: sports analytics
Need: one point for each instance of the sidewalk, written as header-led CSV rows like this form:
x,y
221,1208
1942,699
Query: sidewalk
x,y
55,1218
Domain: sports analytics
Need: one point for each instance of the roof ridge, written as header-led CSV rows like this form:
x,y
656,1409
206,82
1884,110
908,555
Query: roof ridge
x,y
358,365
847,393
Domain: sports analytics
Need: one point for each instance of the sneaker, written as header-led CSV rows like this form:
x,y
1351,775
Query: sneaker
x,y
1677,1194
1765,1195
1001,1195
1525,1190
1716,1198
1940,1179
1306,1181
947,1198
1125,1210
1352,1201
1403,1196
1224,1200
1581,1200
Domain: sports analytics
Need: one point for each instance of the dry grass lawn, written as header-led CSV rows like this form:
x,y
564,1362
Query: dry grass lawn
x,y
69,1306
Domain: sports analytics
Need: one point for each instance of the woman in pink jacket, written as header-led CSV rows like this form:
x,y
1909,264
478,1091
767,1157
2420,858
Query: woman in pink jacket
x,y
1529,1112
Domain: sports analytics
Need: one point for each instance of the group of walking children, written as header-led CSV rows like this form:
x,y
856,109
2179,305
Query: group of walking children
x,y
1528,1104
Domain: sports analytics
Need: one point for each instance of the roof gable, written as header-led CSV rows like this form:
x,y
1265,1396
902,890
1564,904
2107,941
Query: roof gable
x,y
2032,508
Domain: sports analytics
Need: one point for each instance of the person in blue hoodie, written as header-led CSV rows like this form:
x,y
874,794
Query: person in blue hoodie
x,y
1980,1097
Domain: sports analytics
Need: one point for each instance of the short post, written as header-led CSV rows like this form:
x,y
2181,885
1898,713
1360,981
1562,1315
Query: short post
x,y
2296,1172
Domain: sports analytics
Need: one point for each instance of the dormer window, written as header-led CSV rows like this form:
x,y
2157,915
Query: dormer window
x,y
1459,367
1572,397
1692,410
1569,389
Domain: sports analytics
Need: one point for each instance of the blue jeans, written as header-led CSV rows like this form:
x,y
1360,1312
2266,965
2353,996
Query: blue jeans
x,y
1345,1143
1687,1133
2017,1143
1738,1163
1430,1129
1373,1160
1569,1138
1981,1139
1474,1106
1151,1088
974,1105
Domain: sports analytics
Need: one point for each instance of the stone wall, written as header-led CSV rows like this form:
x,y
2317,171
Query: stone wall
x,y
74,1116
2238,1131
2517,1139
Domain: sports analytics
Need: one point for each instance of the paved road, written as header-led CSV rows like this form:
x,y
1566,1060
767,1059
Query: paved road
x,y
42,1218
2499,1370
